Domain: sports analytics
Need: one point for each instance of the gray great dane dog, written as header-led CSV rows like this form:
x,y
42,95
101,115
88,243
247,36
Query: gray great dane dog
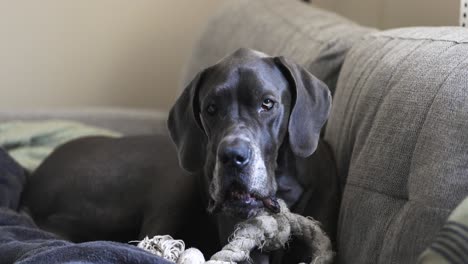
x,y
247,132
250,125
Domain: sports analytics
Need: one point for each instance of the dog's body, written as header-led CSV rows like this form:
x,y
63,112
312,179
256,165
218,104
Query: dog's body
x,y
244,128
120,189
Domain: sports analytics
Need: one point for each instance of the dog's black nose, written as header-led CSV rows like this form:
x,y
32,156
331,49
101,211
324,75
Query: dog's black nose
x,y
236,153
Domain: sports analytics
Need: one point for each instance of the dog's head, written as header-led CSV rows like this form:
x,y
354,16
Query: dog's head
x,y
232,119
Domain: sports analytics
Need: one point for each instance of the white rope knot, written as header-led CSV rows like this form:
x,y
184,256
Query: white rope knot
x,y
163,246
266,231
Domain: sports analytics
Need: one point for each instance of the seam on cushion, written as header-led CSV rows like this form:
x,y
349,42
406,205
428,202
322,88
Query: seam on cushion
x,y
397,212
450,73
379,105
432,103
387,90
399,238
355,84
353,87
416,39
350,139
356,185
390,219
358,96
422,204
366,188
383,95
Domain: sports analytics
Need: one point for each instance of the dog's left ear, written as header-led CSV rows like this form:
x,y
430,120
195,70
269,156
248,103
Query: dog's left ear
x,y
311,107
185,128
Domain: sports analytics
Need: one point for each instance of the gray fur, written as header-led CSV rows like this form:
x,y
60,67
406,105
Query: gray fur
x,y
278,140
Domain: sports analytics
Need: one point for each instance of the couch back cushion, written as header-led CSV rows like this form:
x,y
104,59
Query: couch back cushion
x,y
310,36
399,129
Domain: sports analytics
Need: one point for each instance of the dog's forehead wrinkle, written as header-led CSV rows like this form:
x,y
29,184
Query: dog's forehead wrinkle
x,y
221,74
258,81
218,94
250,80
241,65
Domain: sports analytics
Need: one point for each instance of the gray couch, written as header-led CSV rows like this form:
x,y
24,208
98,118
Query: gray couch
x,y
398,127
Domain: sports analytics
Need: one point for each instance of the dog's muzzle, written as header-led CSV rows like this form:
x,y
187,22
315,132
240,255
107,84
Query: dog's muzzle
x,y
248,204
240,179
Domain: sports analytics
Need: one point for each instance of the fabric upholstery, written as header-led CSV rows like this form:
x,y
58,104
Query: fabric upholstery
x,y
312,37
399,129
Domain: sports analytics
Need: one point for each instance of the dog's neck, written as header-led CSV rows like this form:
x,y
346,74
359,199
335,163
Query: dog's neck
x,y
289,187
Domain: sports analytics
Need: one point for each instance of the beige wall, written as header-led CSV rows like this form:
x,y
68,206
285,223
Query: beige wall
x,y
387,14
56,53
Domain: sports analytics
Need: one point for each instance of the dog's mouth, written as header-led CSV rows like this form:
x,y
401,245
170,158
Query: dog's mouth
x,y
243,204
242,197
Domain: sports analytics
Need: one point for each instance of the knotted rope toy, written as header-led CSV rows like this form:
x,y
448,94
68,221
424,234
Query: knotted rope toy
x,y
267,231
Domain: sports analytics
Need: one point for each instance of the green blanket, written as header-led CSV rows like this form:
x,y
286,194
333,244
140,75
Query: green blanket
x,y
29,143
451,244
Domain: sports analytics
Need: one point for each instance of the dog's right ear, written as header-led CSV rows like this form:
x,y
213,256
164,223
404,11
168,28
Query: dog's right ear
x,y
186,129
311,107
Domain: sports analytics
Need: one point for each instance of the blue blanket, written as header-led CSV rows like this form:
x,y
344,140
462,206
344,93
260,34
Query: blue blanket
x,y
21,241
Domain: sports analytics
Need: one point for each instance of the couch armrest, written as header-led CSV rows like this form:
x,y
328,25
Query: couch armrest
x,y
124,120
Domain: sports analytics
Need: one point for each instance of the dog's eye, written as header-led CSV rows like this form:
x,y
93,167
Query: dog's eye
x,y
211,109
267,104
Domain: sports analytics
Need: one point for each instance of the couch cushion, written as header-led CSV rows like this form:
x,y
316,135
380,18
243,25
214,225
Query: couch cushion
x,y
124,120
399,129
312,37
